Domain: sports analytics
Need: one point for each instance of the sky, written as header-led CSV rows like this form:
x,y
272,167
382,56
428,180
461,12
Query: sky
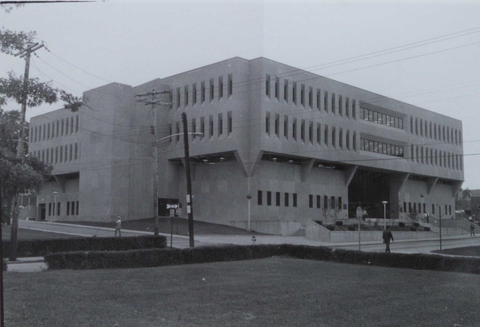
x,y
422,53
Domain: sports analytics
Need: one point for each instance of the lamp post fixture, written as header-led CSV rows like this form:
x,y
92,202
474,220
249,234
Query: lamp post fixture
x,y
54,203
440,224
384,215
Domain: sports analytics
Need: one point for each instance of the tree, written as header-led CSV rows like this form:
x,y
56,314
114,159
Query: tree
x,y
19,175
30,92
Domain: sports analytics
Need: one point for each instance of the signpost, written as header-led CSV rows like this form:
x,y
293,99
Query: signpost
x,y
359,215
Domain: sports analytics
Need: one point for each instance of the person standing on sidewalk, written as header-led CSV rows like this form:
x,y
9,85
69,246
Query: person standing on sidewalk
x,y
118,227
472,230
387,236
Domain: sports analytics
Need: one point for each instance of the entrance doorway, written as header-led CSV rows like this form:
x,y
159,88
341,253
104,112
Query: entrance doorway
x,y
42,210
368,189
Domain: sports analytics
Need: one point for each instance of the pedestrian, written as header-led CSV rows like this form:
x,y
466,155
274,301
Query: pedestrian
x,y
118,227
387,236
472,230
364,214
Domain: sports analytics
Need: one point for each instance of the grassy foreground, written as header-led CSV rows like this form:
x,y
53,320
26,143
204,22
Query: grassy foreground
x,y
266,292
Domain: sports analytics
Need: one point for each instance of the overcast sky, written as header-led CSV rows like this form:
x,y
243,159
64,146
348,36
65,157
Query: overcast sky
x,y
92,44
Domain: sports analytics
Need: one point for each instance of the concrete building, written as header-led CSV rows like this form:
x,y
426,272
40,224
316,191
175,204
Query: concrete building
x,y
280,146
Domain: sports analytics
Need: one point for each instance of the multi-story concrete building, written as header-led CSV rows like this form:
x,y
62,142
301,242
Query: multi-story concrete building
x,y
279,146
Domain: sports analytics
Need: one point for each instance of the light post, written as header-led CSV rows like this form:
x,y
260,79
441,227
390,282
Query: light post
x,y
440,224
54,203
384,215
423,204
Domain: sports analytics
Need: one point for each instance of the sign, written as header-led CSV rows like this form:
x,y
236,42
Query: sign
x,y
359,213
172,212
172,206
179,211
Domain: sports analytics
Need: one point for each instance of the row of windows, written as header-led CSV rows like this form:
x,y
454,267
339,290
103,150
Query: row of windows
x,y
380,118
72,208
328,202
211,126
308,97
416,208
56,128
434,157
380,147
199,93
435,131
310,132
59,154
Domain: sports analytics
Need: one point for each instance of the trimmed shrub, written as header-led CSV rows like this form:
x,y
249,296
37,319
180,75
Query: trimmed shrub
x,y
168,256
427,229
39,248
401,224
413,229
416,224
330,228
351,228
319,222
339,223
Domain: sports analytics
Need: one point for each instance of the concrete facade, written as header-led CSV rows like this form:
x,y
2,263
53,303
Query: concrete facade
x,y
280,146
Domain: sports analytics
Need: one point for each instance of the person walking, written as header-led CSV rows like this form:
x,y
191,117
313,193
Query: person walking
x,y
387,236
118,227
472,230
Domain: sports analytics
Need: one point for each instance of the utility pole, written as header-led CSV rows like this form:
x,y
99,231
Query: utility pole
x,y
20,146
189,181
142,97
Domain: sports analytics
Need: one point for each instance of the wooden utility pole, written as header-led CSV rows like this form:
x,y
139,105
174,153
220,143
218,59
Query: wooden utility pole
x,y
141,97
189,181
21,140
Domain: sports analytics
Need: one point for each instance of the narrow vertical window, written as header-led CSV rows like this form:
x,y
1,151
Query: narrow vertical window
x,y
210,122
277,199
325,136
277,124
287,198
220,124
310,97
319,201
267,123
319,133
68,208
285,90
294,93
325,202
310,200
302,130
220,87
319,99
269,198
177,131
310,132
202,126
76,151
302,95
267,85
194,128
186,95
230,84
230,123
76,124
285,127
294,200
259,198
277,87
178,97
294,129
212,90
77,206
194,94
203,92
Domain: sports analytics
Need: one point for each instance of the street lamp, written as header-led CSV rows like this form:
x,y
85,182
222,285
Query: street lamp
x,y
54,203
440,223
384,215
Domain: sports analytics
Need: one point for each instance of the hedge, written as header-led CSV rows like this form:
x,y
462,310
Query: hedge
x,y
168,256
39,248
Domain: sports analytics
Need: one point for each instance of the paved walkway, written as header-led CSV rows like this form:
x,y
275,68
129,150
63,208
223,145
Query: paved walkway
x,y
37,264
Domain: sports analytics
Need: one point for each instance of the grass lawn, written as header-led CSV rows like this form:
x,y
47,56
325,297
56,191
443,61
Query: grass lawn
x,y
28,234
180,226
473,251
267,292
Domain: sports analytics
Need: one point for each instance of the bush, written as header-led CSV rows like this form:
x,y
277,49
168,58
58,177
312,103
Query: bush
x,y
339,223
168,256
39,248
351,228
413,229
416,224
427,229
401,224
330,228
319,222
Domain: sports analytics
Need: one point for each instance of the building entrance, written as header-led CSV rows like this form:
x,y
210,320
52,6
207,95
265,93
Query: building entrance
x,y
368,189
